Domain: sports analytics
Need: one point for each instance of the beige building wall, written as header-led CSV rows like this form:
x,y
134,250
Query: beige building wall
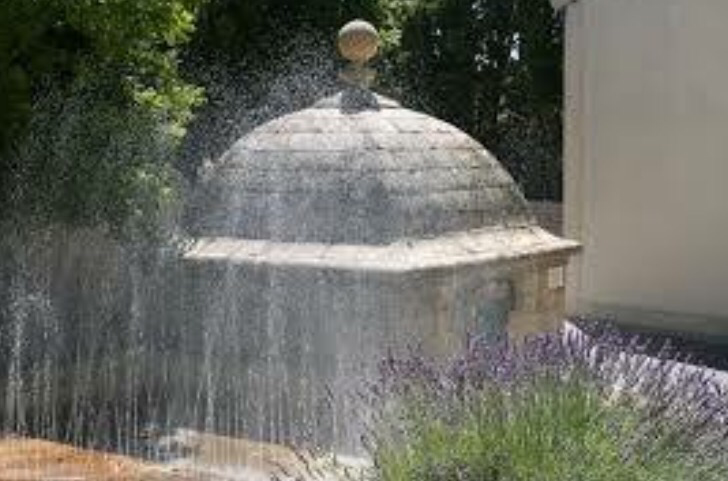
x,y
646,160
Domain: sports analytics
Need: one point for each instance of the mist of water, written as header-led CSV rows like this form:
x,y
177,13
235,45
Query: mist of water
x,y
139,350
119,348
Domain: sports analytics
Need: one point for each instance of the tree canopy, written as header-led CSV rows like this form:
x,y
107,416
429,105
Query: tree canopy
x,y
491,67
90,102
95,95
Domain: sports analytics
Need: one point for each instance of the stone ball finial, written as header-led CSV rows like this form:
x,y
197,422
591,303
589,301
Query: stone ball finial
x,y
358,41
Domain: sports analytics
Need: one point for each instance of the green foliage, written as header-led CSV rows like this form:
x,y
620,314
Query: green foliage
x,y
491,67
104,163
89,90
258,59
548,431
552,408
543,434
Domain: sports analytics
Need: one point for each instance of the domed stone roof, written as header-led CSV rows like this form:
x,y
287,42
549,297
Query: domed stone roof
x,y
356,168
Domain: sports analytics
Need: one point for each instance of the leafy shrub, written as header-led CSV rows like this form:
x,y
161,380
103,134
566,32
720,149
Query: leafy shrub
x,y
553,408
89,159
92,105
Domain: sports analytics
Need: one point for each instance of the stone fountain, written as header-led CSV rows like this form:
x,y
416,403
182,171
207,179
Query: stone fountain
x,y
323,240
331,235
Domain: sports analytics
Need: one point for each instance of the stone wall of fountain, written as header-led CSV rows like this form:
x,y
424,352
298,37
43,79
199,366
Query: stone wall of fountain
x,y
105,347
88,337
102,349
60,290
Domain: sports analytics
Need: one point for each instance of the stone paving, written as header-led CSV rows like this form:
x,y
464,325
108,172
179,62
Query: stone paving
x,y
38,460
207,458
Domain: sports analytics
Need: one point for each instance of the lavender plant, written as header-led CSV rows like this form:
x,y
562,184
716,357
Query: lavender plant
x,y
558,407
